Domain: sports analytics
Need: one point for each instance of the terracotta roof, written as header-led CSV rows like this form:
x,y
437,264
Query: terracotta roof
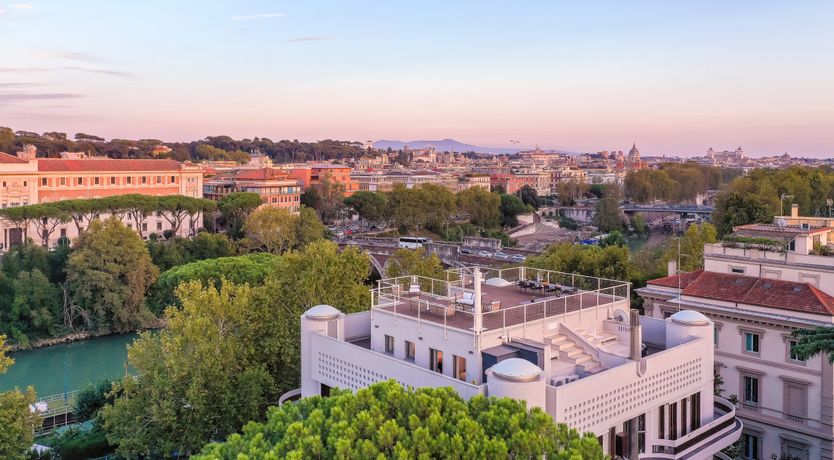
x,y
750,290
106,164
6,158
261,174
672,281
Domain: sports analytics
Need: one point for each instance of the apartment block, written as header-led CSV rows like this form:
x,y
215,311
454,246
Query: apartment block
x,y
562,342
758,286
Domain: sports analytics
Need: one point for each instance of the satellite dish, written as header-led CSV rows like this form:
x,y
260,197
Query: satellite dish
x,y
781,223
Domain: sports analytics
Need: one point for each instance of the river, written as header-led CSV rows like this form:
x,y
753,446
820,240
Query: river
x,y
83,362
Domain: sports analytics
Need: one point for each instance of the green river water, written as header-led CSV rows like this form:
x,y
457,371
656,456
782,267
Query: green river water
x,y
89,361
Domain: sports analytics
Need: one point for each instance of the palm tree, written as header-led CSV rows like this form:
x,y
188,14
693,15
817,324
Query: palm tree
x,y
812,342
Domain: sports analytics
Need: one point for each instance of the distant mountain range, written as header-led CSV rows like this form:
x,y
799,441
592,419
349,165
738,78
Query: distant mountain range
x,y
445,145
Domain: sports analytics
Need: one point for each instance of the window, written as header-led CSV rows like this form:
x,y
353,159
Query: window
x,y
144,179
63,233
63,181
751,342
751,389
641,434
436,360
144,226
661,422
95,180
159,225
683,415
129,180
460,368
173,179
749,446
80,181
737,270
43,181
792,353
695,411
112,180
796,401
158,179
409,350
389,344
673,421
715,331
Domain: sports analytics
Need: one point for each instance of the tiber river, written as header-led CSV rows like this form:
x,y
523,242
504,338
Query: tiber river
x,y
78,364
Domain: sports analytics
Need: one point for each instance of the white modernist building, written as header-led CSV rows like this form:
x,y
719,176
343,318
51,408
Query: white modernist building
x,y
559,341
757,287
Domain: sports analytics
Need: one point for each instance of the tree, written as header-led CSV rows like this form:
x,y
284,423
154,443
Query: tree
x,y
692,246
439,205
371,206
308,227
607,214
529,196
200,378
812,342
482,207
733,209
511,208
6,140
570,191
271,229
48,218
611,262
414,262
251,269
646,185
36,301
109,273
615,238
234,208
18,422
407,208
331,196
386,420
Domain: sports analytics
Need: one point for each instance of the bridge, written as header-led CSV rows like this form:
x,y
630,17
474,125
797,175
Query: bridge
x,y
670,208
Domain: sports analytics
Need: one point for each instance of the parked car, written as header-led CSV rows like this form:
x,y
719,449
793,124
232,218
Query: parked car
x,y
502,255
466,251
484,254
518,258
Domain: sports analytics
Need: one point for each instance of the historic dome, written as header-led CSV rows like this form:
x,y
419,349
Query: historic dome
x,y
634,153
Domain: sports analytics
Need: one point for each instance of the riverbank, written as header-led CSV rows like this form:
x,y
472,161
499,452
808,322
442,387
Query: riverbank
x,y
77,337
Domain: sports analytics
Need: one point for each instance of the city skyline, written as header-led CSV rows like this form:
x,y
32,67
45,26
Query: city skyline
x,y
676,78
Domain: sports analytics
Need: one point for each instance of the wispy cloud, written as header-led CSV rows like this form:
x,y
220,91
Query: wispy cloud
x,y
17,85
16,97
252,17
23,70
22,6
73,55
312,38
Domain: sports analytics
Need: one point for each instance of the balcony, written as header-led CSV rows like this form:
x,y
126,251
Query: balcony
x,y
706,441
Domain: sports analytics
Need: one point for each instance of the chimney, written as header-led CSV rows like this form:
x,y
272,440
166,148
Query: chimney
x,y
672,268
477,307
636,336
794,210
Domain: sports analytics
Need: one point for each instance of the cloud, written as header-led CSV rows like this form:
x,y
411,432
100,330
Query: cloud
x,y
16,85
74,56
15,97
312,38
115,73
252,17
22,6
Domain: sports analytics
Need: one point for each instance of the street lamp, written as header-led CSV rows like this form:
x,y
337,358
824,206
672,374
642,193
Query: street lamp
x,y
781,199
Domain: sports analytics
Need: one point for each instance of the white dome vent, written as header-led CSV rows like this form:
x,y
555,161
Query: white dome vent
x,y
517,370
322,312
690,318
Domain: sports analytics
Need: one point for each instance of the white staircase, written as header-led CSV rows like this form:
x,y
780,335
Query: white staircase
x,y
568,351
596,338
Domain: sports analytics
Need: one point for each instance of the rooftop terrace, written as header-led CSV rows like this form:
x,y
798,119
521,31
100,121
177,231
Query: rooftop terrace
x,y
508,297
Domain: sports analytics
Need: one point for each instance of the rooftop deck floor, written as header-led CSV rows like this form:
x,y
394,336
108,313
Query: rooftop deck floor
x,y
517,305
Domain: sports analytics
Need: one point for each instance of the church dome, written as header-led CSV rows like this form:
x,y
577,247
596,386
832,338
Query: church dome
x,y
634,152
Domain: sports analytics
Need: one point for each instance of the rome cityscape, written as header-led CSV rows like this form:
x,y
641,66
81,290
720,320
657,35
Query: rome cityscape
x,y
257,229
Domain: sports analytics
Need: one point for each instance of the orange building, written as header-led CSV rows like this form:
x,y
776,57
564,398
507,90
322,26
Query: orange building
x,y
26,179
312,176
275,187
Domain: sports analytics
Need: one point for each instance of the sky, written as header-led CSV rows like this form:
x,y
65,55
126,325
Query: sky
x,y
676,77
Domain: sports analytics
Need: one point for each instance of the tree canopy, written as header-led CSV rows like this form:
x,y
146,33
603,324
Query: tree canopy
x,y
386,420
17,421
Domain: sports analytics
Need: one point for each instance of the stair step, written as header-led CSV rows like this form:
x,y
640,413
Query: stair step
x,y
594,370
574,352
582,359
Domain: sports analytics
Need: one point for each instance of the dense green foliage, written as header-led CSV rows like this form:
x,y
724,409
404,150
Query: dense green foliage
x,y
675,182
228,350
109,273
607,215
234,208
414,262
691,246
756,196
812,342
386,420
610,262
17,422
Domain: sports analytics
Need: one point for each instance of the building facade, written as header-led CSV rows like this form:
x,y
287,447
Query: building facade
x,y
643,386
275,187
757,287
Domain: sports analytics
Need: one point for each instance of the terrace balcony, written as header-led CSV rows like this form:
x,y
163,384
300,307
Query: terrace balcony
x,y
509,297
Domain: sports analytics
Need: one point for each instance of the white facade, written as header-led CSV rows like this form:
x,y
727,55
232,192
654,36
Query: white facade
x,y
786,404
562,342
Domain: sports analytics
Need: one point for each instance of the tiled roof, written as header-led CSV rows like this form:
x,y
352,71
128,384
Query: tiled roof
x,y
672,281
750,290
8,159
106,164
261,174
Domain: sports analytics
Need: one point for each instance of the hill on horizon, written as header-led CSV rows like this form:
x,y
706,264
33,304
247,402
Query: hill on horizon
x,y
445,145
